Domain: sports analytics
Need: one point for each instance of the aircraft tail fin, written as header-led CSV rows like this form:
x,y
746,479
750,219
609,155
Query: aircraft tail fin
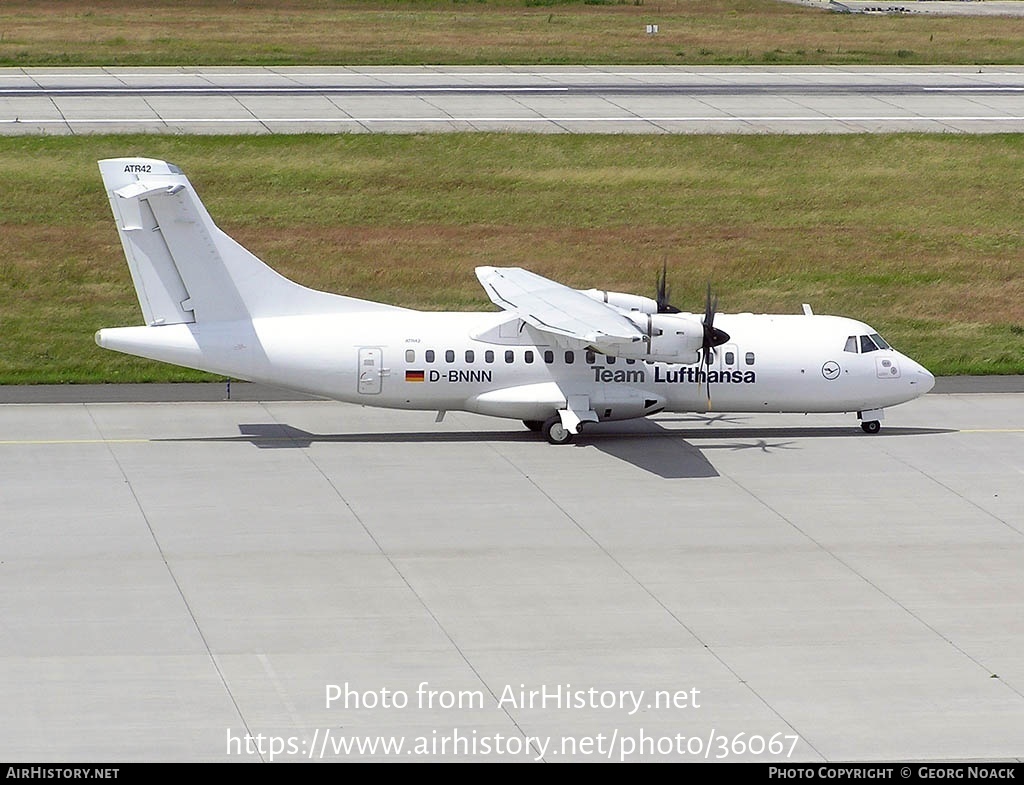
x,y
184,268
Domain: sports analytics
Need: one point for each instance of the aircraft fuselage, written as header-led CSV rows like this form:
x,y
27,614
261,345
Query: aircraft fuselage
x,y
491,364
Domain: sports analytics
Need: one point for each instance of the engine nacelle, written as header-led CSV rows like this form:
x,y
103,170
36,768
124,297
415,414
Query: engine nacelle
x,y
669,338
627,302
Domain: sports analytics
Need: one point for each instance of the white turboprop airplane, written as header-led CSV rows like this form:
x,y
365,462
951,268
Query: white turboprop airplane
x,y
554,357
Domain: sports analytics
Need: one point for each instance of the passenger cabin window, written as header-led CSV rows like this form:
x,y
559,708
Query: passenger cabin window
x,y
609,360
569,358
488,356
730,358
470,356
510,356
590,358
549,357
449,356
851,344
749,358
428,355
528,356
410,355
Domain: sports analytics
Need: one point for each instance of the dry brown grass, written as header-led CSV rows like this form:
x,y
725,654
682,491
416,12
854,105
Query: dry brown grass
x,y
226,32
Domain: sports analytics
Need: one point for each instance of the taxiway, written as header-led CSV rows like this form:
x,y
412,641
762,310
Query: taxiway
x,y
570,99
174,576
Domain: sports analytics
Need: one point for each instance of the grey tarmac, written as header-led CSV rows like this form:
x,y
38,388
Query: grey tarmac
x,y
175,577
542,99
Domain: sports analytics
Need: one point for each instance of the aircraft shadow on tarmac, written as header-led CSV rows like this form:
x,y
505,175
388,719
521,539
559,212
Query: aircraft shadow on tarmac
x,y
645,444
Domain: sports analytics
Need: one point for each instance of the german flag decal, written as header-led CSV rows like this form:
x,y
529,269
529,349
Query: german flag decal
x,y
414,376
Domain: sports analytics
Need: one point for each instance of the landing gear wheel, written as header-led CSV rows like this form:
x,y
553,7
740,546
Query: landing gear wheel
x,y
871,426
534,425
555,432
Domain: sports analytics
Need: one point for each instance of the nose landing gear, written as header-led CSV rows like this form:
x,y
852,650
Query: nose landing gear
x,y
871,420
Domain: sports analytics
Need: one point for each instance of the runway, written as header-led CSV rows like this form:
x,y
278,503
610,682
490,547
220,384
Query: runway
x,y
176,576
576,99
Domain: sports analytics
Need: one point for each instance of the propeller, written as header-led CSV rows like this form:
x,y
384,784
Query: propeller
x,y
663,304
712,337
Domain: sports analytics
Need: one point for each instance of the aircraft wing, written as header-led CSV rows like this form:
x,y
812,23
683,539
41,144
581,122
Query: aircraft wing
x,y
554,308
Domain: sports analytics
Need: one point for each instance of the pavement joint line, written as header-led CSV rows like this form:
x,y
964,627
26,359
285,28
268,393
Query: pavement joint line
x,y
854,571
156,115
985,512
241,103
177,585
408,584
347,114
657,600
62,121
959,495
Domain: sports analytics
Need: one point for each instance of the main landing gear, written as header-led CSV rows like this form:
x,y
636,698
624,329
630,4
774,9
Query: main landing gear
x,y
562,427
555,432
870,426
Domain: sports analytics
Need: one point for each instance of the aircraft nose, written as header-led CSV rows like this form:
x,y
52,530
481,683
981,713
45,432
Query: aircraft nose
x,y
920,377
929,380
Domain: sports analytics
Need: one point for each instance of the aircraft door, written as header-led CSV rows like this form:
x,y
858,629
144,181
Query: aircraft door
x,y
370,371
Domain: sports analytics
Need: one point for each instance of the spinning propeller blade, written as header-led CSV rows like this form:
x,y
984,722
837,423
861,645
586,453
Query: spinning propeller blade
x,y
712,337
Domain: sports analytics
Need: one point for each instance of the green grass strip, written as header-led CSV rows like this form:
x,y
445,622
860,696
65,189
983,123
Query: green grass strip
x,y
918,235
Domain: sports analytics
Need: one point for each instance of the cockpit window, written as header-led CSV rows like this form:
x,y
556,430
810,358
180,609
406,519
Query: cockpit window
x,y
851,344
879,341
867,345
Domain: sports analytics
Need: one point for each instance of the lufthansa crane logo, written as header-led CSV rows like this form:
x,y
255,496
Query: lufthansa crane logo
x,y
830,370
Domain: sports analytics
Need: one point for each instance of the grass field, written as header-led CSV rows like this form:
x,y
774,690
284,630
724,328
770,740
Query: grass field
x,y
377,32
917,235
